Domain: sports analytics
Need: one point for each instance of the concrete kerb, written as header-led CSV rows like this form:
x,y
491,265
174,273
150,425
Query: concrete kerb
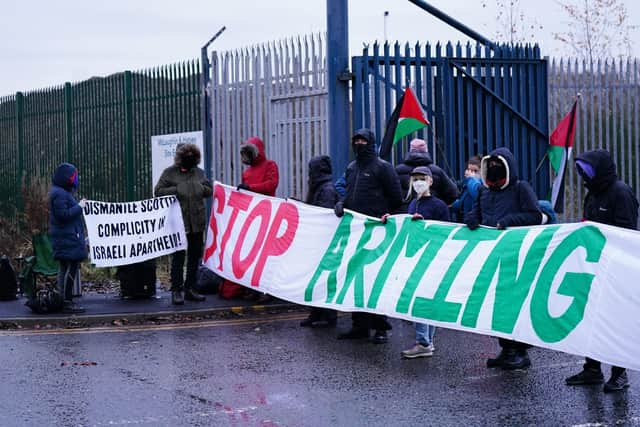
x,y
121,319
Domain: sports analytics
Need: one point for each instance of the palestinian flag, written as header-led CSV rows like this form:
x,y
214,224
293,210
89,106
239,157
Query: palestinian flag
x,y
407,117
559,151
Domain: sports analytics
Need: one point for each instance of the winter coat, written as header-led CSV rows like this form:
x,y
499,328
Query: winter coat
x,y
191,188
322,191
464,203
609,200
443,187
262,176
373,187
514,205
66,228
430,207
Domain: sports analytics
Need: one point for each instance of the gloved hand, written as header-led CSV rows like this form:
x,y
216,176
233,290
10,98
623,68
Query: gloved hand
x,y
384,218
338,210
82,203
416,216
243,186
472,224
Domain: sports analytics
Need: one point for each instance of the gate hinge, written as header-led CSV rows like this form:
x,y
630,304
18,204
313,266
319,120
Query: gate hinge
x,y
345,76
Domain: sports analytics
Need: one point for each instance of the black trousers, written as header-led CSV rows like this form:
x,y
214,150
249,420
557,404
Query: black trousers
x,y
195,246
513,345
596,365
368,321
66,277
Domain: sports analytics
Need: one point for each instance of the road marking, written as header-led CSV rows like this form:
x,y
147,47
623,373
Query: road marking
x,y
163,327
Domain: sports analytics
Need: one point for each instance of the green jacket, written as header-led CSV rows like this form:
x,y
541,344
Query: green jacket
x,y
191,187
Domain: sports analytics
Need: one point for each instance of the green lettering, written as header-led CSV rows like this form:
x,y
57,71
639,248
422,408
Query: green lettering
x,y
331,259
362,257
437,308
576,285
512,287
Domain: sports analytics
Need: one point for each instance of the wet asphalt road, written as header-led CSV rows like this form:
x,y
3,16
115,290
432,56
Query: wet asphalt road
x,y
256,372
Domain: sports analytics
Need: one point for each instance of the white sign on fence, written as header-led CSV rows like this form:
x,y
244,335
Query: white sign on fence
x,y
163,150
126,233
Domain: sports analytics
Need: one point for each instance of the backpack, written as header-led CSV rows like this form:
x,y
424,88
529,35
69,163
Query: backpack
x,y
208,281
46,300
8,281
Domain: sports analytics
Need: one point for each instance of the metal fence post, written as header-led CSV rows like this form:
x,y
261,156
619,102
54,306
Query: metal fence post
x,y
68,125
338,78
128,136
20,142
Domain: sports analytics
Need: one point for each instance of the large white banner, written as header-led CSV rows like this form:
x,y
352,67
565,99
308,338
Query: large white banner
x,y
569,287
163,151
126,233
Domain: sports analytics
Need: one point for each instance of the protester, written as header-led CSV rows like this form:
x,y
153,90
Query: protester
x,y
608,201
443,187
187,181
261,176
470,185
504,201
67,232
321,193
373,189
424,206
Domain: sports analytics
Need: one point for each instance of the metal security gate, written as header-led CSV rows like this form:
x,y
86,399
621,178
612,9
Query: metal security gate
x,y
475,99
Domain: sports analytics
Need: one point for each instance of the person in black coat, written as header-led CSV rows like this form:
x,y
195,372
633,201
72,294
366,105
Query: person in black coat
x,y
67,231
504,201
443,187
608,201
322,192
372,188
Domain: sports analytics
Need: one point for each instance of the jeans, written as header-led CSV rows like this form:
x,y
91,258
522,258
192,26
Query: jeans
x,y
66,278
424,333
195,246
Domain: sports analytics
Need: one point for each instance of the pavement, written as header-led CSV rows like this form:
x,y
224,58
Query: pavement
x,y
110,307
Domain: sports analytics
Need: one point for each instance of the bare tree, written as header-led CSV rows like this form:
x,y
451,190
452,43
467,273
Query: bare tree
x,y
513,25
596,28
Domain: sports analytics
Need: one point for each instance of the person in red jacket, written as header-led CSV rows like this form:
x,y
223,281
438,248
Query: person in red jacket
x,y
260,177
262,174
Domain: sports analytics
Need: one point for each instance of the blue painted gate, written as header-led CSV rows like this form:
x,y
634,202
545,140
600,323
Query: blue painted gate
x,y
476,99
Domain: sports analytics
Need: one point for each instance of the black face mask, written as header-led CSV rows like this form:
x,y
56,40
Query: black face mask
x,y
360,150
496,173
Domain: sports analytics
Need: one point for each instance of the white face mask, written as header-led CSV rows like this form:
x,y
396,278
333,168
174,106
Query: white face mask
x,y
420,187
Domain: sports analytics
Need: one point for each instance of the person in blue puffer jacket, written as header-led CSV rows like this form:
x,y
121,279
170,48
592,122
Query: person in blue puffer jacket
x,y
66,230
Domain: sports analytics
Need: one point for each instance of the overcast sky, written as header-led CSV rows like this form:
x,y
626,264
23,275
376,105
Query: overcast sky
x,y
45,43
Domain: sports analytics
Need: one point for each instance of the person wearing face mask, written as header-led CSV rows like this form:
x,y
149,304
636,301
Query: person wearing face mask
x,y
504,201
443,186
67,231
260,176
188,183
372,188
608,201
424,206
470,185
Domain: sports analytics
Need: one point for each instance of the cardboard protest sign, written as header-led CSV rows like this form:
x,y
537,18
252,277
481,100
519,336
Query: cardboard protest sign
x,y
127,233
566,287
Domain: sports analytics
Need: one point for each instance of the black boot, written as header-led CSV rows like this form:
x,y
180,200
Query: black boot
x,y
192,295
496,362
380,337
177,298
516,359
618,381
587,376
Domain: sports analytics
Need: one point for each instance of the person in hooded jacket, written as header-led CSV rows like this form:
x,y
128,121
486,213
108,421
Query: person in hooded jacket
x,y
261,176
187,181
372,188
608,201
443,187
66,230
504,201
322,192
